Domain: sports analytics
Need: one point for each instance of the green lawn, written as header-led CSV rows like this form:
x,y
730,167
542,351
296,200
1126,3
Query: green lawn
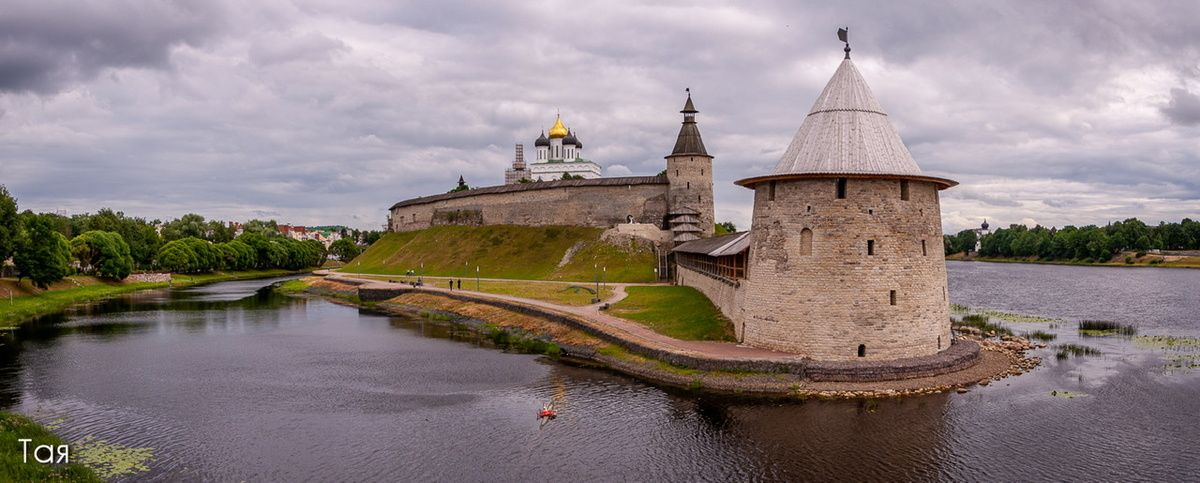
x,y
25,307
676,311
506,251
14,427
557,292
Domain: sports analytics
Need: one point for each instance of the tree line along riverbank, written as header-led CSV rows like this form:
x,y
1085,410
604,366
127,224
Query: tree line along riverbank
x,y
1128,242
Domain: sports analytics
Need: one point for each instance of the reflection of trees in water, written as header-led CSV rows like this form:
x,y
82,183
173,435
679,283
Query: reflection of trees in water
x,y
142,312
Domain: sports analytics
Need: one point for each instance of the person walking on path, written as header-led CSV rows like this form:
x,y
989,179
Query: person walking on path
x,y
460,284
451,284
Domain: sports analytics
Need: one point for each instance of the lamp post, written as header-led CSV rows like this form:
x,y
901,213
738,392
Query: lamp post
x,y
596,270
655,274
604,277
477,279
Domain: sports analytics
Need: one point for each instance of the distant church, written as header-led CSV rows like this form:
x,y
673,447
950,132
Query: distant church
x,y
558,155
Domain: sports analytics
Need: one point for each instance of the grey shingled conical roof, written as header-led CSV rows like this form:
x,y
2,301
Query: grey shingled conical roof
x,y
689,142
847,132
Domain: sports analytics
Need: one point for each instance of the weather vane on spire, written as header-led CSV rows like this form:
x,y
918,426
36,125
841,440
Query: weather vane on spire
x,y
844,36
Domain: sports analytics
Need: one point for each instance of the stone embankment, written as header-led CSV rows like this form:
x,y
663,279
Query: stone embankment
x,y
712,366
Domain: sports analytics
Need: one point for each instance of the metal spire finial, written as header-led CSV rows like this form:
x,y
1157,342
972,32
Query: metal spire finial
x,y
844,36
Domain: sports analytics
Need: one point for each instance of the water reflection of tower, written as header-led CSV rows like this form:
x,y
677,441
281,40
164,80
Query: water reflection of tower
x,y
869,440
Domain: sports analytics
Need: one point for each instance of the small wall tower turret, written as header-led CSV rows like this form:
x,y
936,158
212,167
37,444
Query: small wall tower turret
x,y
689,171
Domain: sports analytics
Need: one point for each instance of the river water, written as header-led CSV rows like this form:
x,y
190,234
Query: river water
x,y
228,384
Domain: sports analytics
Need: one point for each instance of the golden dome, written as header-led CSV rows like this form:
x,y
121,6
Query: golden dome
x,y
558,131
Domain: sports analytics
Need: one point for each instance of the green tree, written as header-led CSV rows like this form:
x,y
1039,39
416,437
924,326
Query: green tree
x,y
44,256
103,253
189,225
344,249
176,257
10,225
724,228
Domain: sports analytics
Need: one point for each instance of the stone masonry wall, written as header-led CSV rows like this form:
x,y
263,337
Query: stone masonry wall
x,y
600,206
692,186
824,302
728,298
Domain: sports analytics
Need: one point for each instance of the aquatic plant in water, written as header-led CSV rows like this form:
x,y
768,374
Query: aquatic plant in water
x,y
1103,328
1014,317
1165,342
1040,335
982,323
1067,394
111,460
1076,350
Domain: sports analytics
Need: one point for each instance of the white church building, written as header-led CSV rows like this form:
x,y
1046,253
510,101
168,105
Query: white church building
x,y
556,155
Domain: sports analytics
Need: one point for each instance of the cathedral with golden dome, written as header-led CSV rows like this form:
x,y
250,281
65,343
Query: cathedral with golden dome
x,y
558,155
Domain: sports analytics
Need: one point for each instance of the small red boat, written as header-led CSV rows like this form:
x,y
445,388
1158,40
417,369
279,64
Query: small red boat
x,y
547,411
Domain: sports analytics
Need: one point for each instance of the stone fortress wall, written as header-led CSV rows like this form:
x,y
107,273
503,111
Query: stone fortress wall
x,y
828,276
601,202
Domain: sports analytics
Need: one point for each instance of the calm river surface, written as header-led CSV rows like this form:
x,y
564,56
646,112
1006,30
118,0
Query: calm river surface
x,y
225,384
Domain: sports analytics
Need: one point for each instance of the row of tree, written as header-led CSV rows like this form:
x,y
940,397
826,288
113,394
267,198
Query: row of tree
x,y
1095,243
46,247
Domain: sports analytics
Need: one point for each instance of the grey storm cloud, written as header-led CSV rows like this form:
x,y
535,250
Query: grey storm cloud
x,y
1184,107
322,111
47,44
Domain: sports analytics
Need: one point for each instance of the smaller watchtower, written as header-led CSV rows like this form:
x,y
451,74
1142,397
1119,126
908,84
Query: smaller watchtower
x,y
689,172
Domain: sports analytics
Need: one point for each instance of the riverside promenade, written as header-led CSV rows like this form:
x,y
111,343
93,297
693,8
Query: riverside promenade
x,y
701,355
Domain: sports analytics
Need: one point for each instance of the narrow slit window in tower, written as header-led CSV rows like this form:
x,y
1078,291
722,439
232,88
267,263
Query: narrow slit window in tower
x,y
689,185
841,188
904,190
924,250
939,342
892,297
862,350
806,242
771,191
870,247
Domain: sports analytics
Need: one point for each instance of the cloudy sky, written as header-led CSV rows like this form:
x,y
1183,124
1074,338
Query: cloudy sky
x,y
324,111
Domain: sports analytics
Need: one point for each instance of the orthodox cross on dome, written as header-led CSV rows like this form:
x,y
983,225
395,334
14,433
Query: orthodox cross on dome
x,y
844,36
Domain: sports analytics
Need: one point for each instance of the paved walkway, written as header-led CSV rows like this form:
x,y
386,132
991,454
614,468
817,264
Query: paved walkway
x,y
622,328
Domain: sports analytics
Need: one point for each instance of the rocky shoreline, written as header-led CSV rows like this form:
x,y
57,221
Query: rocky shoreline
x,y
999,357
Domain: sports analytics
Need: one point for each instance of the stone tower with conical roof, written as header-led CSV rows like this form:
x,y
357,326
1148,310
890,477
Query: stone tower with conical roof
x,y
846,260
689,172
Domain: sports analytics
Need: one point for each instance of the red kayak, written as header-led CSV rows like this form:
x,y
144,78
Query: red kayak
x,y
547,411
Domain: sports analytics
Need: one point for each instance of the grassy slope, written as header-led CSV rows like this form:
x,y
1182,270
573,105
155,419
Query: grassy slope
x,y
565,293
14,427
676,311
65,293
505,251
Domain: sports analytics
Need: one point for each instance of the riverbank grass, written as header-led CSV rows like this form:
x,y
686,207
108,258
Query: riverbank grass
x,y
565,293
89,289
675,311
14,427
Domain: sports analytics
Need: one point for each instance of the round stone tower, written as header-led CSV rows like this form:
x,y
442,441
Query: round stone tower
x,y
846,260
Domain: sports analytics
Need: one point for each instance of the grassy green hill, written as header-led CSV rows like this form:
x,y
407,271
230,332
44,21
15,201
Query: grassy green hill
x,y
506,251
